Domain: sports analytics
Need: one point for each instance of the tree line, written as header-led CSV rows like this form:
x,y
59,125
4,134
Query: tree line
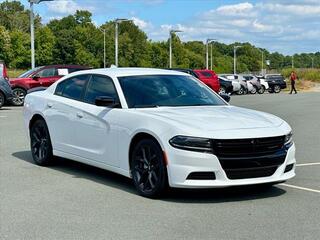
x,y
76,40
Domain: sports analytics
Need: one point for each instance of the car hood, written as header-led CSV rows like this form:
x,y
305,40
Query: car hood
x,y
213,118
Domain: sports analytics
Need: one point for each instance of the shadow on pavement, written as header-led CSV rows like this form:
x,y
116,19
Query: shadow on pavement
x,y
232,194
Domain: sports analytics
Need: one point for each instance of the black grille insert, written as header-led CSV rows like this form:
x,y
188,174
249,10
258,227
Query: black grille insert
x,y
201,176
250,158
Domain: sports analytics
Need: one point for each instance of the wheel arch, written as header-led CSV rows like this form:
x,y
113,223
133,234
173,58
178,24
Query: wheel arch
x,y
34,118
138,137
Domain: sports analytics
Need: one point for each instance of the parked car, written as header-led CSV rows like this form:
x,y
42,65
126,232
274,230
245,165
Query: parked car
x,y
264,83
226,85
208,77
276,82
42,76
3,70
245,86
254,81
161,128
5,92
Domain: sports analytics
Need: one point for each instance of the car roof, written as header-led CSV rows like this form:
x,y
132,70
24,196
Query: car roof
x,y
121,72
65,65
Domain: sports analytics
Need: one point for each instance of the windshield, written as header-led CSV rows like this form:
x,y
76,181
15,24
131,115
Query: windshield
x,y
166,90
28,73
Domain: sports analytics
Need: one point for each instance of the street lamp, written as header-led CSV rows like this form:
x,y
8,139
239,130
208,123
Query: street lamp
x,y
117,21
235,58
103,30
32,29
209,40
261,61
170,46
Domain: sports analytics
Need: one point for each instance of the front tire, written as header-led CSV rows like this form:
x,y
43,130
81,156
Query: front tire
x,y
2,99
222,90
276,89
254,90
241,91
41,147
262,90
148,168
18,96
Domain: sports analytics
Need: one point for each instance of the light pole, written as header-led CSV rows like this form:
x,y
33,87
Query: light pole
x,y
261,61
33,64
235,59
104,46
117,21
209,40
211,55
170,45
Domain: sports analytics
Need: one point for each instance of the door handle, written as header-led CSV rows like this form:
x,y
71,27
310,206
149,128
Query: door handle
x,y
49,105
79,115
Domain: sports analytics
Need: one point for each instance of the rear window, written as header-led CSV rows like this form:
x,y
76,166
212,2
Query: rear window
x,y
206,74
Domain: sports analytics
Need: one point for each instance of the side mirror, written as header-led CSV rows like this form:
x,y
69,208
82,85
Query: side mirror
x,y
225,97
105,101
36,77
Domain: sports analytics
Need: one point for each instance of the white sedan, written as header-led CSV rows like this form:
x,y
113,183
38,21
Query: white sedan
x,y
159,127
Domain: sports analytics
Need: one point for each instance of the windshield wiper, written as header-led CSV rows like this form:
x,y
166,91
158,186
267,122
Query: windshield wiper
x,y
146,106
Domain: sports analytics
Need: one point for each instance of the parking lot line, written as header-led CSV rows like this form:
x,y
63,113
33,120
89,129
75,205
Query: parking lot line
x,y
300,188
307,164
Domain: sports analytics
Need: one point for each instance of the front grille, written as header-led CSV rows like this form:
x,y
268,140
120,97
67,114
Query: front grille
x,y
250,158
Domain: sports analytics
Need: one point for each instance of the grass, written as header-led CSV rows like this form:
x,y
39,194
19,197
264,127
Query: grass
x,y
13,73
304,74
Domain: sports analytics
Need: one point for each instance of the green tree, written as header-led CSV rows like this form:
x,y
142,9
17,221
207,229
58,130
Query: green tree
x,y
20,42
44,45
5,45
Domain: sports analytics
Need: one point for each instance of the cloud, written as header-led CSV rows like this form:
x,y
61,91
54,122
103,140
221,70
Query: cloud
x,y
66,7
144,25
285,26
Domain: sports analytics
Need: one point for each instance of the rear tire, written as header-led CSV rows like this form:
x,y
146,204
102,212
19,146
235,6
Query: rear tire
x,y
2,99
241,91
40,142
148,169
18,96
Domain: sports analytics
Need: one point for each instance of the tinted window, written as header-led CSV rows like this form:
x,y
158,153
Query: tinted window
x,y
100,86
72,87
166,90
206,74
30,72
48,72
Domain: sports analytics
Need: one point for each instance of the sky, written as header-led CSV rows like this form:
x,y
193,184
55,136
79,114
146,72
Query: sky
x,y
286,26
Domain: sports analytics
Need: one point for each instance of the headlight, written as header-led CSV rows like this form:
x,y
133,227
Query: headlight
x,y
192,143
288,139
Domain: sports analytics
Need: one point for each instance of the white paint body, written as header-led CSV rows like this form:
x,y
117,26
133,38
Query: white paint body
x,y
101,136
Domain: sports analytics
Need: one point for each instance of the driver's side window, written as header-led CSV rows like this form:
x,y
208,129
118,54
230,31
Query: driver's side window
x,y
47,72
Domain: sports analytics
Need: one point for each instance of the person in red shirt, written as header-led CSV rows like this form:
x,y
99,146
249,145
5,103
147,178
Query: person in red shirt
x,y
293,78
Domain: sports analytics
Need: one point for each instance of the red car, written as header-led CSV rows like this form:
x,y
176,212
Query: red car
x,y
42,76
208,77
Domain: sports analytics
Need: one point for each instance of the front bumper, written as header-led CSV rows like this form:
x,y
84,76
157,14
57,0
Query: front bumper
x,y
182,163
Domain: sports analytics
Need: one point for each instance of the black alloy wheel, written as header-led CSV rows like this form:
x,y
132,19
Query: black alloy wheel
x,y
148,168
2,99
262,90
277,88
18,96
41,147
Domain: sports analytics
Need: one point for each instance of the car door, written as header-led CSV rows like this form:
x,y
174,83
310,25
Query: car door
x,y
48,76
61,113
96,126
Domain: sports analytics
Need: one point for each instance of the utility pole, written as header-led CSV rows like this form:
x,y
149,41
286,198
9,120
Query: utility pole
x,y
209,40
235,59
117,21
170,45
32,2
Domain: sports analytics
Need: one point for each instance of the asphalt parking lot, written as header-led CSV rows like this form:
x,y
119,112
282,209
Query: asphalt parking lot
x,y
74,201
